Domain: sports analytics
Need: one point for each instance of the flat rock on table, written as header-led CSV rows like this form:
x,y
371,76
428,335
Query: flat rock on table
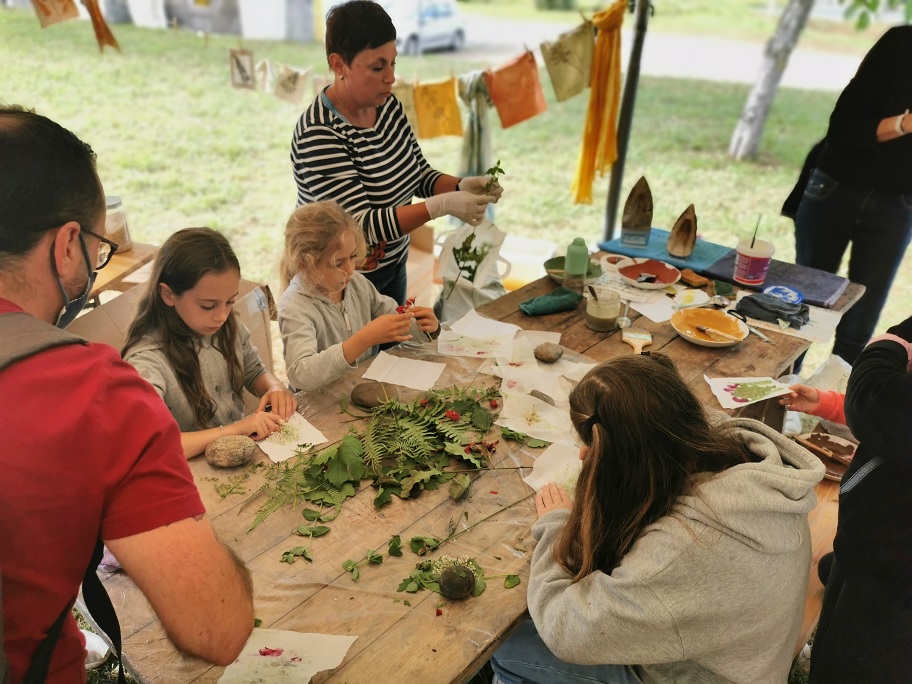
x,y
371,394
230,451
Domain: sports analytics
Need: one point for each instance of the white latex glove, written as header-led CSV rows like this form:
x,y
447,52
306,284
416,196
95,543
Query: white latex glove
x,y
464,205
477,185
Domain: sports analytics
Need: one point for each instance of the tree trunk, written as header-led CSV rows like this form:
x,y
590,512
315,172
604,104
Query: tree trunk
x,y
745,140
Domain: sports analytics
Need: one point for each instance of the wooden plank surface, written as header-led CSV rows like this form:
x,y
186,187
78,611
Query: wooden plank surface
x,y
121,265
397,642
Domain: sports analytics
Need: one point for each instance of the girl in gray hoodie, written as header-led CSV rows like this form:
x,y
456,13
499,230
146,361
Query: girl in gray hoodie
x,y
685,554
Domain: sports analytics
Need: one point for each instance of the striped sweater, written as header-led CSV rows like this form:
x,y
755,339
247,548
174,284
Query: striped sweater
x,y
369,171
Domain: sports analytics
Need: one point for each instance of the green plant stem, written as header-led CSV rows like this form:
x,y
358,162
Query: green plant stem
x,y
451,537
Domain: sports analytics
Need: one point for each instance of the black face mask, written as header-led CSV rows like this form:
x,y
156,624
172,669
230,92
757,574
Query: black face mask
x,y
71,308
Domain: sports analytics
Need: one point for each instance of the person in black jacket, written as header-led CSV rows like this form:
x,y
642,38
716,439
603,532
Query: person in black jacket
x,y
860,189
865,628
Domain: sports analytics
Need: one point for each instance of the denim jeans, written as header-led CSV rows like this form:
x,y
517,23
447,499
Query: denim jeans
x,y
524,659
390,281
878,226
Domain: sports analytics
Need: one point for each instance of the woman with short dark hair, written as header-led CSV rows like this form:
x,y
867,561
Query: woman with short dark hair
x,y
354,146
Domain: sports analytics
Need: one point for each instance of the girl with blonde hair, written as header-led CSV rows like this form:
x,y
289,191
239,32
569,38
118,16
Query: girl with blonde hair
x,y
331,316
187,342
684,556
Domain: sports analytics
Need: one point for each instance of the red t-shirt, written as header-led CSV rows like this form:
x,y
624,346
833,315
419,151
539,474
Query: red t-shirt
x,y
88,449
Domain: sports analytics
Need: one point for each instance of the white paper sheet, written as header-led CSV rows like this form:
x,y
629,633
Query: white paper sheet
x,y
301,656
658,308
534,417
737,392
628,293
475,325
560,464
455,344
306,434
419,375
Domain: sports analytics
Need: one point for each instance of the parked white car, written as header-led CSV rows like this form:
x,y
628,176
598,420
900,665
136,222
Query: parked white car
x,y
426,25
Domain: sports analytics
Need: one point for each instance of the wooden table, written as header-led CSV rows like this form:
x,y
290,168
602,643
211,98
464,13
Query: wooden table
x,y
121,265
398,642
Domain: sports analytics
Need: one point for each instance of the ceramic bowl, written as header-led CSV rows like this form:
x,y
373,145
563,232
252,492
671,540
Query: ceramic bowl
x,y
685,321
554,267
632,271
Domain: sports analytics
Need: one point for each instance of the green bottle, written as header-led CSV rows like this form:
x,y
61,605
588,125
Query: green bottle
x,y
575,265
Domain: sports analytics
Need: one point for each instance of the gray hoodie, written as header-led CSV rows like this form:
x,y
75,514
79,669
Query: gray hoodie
x,y
713,592
150,361
314,327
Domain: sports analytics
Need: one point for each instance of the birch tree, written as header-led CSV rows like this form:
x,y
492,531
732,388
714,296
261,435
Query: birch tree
x,y
745,140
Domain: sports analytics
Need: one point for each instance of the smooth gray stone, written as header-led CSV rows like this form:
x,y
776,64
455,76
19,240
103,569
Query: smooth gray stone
x,y
548,352
230,451
371,394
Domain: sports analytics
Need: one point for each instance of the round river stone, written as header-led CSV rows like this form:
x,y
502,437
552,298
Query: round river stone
x,y
456,582
230,451
371,394
548,352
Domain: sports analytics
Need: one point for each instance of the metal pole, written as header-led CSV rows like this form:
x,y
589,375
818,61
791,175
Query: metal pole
x,y
625,116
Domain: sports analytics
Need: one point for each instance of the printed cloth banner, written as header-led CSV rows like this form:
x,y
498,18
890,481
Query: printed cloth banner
x,y
265,76
405,93
52,12
289,84
569,61
242,69
437,109
515,90
599,146
103,34
476,142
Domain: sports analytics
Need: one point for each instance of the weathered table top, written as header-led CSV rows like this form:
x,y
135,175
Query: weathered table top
x,y
121,265
399,642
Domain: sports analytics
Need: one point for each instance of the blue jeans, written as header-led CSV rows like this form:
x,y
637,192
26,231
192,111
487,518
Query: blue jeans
x,y
524,659
390,281
879,226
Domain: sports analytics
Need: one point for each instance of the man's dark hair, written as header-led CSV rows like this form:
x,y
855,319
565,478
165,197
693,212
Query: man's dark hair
x,y
355,26
47,178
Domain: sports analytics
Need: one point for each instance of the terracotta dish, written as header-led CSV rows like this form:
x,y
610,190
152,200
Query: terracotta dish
x,y
648,274
685,322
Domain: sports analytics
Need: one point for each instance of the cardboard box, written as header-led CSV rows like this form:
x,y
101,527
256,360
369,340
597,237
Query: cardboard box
x,y
421,266
108,323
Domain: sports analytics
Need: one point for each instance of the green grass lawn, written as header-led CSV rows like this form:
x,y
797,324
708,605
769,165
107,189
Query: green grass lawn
x,y
183,148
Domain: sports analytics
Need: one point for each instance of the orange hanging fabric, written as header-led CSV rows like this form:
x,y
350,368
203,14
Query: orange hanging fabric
x,y
102,33
51,12
599,146
516,90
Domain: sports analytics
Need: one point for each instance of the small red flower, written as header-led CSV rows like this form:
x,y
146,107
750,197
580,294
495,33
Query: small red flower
x,y
266,651
494,491
409,303
439,612
452,415
494,403
423,402
468,450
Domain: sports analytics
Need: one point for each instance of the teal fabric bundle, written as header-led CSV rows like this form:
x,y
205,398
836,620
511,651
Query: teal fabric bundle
x,y
561,299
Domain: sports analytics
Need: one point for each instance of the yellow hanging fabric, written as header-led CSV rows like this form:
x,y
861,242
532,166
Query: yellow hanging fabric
x,y
599,147
405,93
437,109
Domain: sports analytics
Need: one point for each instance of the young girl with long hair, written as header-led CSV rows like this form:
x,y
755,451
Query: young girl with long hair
x,y
331,316
684,556
187,342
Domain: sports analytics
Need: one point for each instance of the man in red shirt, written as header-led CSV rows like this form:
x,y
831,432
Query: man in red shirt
x,y
89,449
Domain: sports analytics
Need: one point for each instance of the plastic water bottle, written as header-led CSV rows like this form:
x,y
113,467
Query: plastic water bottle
x,y
576,265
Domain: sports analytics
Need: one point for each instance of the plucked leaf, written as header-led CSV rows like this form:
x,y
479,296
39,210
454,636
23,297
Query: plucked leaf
x,y
308,531
394,548
511,581
423,545
292,555
459,485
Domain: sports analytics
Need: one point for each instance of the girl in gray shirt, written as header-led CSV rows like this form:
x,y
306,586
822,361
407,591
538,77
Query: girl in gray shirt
x,y
331,317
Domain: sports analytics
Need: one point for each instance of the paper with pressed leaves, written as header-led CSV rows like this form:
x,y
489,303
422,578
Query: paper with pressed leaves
x,y
534,417
290,84
737,392
559,463
405,93
51,12
275,655
297,430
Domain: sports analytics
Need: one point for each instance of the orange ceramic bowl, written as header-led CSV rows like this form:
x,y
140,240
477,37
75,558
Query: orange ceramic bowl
x,y
685,321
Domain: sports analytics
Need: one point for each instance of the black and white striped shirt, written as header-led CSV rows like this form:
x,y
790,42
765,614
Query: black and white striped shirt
x,y
369,171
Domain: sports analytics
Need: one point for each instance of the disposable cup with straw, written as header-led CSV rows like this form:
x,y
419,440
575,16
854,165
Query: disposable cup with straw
x,y
752,259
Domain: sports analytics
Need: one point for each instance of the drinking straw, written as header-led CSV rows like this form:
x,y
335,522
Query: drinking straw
x,y
756,228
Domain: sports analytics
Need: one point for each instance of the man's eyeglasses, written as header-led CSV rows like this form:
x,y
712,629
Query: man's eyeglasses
x,y
106,249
